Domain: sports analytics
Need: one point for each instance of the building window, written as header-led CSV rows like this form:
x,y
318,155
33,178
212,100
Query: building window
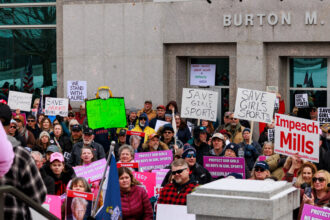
x,y
309,75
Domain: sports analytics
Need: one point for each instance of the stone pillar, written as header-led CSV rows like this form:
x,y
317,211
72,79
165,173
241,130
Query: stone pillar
x,y
244,199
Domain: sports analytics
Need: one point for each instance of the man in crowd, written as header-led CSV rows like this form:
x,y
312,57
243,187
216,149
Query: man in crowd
x,y
160,116
200,143
175,193
121,141
88,140
132,118
22,131
235,129
32,126
143,126
153,144
81,115
76,134
226,121
168,138
251,151
148,110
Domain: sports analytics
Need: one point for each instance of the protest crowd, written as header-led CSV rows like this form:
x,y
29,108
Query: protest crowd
x,y
160,156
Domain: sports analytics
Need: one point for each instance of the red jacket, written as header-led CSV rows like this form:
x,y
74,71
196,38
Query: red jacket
x,y
135,204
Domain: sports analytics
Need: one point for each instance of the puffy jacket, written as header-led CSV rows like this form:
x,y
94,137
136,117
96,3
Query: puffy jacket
x,y
236,133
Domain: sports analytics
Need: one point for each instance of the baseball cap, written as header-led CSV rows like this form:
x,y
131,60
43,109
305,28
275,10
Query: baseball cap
x,y
153,135
76,128
88,131
218,135
56,156
262,164
234,147
148,101
122,132
53,148
161,106
168,127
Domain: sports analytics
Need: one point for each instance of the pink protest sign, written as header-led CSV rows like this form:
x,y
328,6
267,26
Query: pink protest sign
x,y
313,212
54,203
154,160
222,166
92,171
160,175
148,180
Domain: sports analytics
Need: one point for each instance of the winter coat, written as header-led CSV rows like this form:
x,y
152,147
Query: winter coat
x,y
162,146
201,151
75,159
236,133
146,129
151,114
183,134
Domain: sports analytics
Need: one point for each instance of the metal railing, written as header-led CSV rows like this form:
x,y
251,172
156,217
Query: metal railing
x,y
19,195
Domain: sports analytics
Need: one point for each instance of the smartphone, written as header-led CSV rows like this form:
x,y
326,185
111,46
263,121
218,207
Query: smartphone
x,y
308,192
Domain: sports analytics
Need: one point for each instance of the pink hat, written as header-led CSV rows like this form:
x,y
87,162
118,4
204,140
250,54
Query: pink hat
x,y
7,153
56,156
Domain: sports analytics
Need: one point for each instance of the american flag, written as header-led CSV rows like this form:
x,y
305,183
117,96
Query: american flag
x,y
28,78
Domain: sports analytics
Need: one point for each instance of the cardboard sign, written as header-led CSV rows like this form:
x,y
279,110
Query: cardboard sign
x,y
160,123
301,100
199,104
297,135
311,212
254,105
20,100
148,180
78,205
56,106
77,90
270,133
324,115
154,160
109,113
92,171
202,74
222,166
166,212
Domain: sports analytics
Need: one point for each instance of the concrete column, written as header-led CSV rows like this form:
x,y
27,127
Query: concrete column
x,y
244,199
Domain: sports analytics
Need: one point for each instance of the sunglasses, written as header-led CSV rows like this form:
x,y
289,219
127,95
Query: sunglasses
x,y
191,155
13,127
178,171
321,179
143,119
31,120
259,169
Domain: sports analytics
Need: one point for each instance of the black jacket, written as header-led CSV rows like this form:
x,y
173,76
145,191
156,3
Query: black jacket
x,y
75,159
201,151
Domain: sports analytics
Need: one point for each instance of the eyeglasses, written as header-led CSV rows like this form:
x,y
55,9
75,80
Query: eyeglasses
x,y
31,120
13,127
321,179
178,171
259,169
191,155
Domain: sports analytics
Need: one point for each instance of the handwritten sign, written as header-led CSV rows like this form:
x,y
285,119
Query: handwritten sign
x,y
270,133
154,160
56,106
254,105
222,166
20,100
311,212
160,123
148,180
77,90
199,104
109,113
92,171
301,100
202,74
324,115
297,135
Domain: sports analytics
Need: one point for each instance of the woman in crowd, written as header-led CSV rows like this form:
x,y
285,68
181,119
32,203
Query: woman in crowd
x,y
134,199
72,123
60,139
126,154
305,174
217,144
209,126
46,125
80,184
183,132
42,142
268,149
40,117
87,155
260,171
172,106
291,167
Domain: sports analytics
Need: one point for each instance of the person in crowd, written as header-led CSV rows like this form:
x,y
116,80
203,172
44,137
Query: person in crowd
x,y
135,142
209,126
40,117
61,173
147,110
235,129
68,119
126,154
49,182
200,143
154,144
305,174
22,175
168,117
132,118
12,131
135,203
181,183
264,134
217,145
87,155
42,142
81,115
51,149
168,138
36,103
324,151
291,168
160,116
267,149
260,171
121,141
80,184
313,113
29,139
60,139
183,132
46,125
78,208
72,123
226,122
226,135
251,150
172,105
88,140
55,122
32,126
294,111
76,134
143,126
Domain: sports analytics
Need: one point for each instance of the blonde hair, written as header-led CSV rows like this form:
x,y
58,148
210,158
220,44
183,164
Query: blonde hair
x,y
327,179
267,143
300,178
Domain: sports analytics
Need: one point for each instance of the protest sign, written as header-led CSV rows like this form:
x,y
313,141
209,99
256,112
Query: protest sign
x,y
130,165
297,135
311,212
20,100
324,115
222,166
270,133
52,204
301,100
78,204
148,180
160,175
199,104
254,105
277,104
56,106
92,171
77,90
109,113
154,160
160,123
202,74
273,89
166,212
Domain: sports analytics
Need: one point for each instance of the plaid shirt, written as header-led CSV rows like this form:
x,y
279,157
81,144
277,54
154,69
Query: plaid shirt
x,y
24,176
176,194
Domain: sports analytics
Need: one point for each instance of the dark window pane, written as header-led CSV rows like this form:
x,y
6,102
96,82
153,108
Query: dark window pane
x,y
25,51
28,16
315,98
308,73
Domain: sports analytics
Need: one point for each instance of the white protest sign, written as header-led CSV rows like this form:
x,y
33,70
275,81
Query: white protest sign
x,y
77,90
165,212
56,106
20,100
297,135
199,104
270,133
254,105
202,74
301,100
160,123
324,115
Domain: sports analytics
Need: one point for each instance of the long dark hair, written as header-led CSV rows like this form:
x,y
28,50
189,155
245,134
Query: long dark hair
x,y
122,170
175,106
